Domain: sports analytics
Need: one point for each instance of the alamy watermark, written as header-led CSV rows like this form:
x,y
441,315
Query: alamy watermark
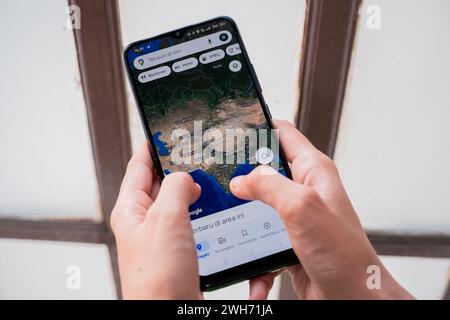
x,y
73,281
374,277
73,20
225,146
373,21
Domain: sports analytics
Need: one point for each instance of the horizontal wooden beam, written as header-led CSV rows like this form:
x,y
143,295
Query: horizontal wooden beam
x,y
55,230
436,246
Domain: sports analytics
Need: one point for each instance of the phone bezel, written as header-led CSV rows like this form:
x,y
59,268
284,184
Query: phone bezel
x,y
256,267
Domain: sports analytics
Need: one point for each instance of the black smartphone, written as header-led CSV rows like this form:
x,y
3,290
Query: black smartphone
x,y
203,112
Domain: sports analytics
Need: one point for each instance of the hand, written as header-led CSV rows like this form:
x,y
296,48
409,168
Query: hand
x,y
322,225
156,248
155,244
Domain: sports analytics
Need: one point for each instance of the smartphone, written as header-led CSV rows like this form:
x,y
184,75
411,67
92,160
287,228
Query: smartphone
x,y
203,112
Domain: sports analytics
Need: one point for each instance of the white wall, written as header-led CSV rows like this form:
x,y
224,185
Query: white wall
x,y
40,270
393,147
46,165
424,278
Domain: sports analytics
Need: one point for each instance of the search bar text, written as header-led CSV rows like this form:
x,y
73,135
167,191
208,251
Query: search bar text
x,y
181,50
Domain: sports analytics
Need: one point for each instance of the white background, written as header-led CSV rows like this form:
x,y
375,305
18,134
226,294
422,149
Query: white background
x,y
393,148
46,167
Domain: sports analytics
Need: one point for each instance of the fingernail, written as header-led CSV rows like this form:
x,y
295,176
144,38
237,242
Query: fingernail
x,y
236,181
197,192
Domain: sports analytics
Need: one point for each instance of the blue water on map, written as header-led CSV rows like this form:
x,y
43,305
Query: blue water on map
x,y
160,145
213,197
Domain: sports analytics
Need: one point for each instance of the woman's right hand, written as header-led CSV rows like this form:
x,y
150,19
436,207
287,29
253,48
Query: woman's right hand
x,y
322,225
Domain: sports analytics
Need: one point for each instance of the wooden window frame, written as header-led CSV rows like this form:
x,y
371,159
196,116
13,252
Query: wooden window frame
x,y
99,48
330,27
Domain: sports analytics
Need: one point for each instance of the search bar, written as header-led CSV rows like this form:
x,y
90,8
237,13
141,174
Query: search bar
x,y
181,50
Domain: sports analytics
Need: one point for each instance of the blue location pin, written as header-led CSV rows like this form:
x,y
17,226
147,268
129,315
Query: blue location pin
x,y
199,247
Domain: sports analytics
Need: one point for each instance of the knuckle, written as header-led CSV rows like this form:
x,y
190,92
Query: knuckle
x,y
252,181
182,178
309,197
256,182
325,163
298,210
154,209
131,164
122,209
113,219
291,209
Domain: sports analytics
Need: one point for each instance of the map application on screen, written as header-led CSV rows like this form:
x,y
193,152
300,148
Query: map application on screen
x,y
205,117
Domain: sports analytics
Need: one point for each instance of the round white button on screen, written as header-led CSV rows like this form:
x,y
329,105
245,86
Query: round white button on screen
x,y
235,65
264,155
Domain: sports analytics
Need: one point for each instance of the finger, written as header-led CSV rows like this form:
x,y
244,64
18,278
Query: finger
x,y
302,155
139,174
311,167
293,141
261,286
176,193
266,184
294,202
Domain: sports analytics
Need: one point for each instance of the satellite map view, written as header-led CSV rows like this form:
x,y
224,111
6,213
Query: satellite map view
x,y
221,99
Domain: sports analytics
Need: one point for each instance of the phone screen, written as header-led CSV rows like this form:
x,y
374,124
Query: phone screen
x,y
204,112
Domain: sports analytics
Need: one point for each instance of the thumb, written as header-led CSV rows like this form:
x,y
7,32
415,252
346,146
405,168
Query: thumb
x,y
266,184
176,193
292,200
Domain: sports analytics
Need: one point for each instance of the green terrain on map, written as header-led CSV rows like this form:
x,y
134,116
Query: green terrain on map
x,y
209,93
208,84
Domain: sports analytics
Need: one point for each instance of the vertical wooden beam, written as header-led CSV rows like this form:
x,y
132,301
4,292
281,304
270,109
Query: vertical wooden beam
x,y
330,27
327,49
112,249
99,50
